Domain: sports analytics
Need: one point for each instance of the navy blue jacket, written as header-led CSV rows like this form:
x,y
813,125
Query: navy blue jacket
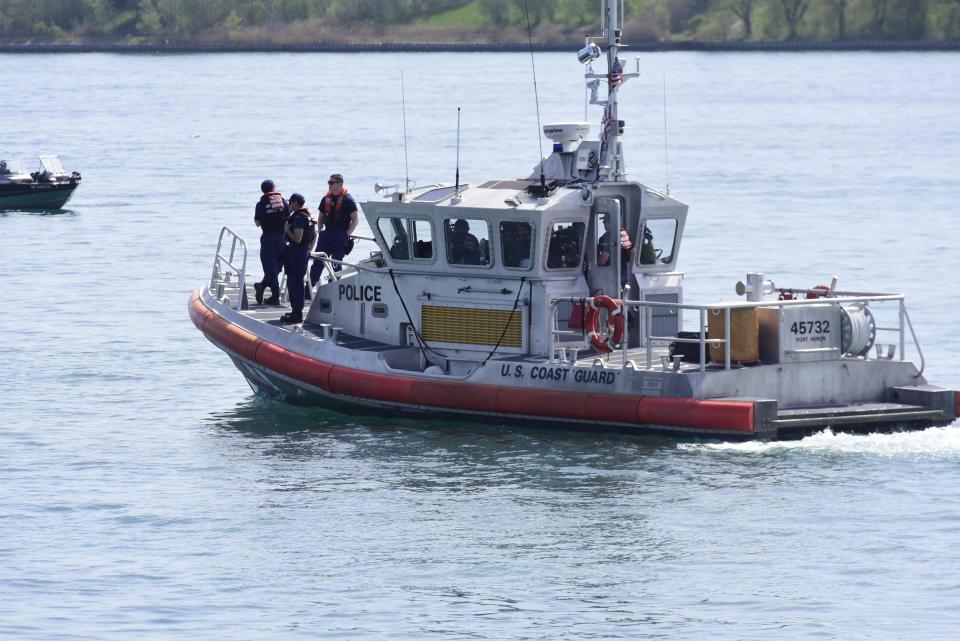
x,y
271,212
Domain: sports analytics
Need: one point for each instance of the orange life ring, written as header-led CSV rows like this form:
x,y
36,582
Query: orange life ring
x,y
819,291
614,334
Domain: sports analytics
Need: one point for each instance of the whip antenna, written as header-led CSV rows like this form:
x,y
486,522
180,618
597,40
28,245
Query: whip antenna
x,y
666,155
406,159
536,96
457,188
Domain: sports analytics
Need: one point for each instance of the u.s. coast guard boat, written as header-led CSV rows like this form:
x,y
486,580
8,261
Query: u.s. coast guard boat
x,y
556,300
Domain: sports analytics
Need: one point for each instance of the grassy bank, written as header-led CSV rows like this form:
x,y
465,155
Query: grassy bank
x,y
340,22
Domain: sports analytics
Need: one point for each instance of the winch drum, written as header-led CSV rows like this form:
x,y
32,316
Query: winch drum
x,y
858,329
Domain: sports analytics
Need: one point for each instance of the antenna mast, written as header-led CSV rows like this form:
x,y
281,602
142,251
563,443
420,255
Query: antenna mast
x,y
614,158
457,188
611,165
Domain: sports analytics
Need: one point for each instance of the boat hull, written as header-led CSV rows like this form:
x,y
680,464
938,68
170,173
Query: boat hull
x,y
36,196
274,369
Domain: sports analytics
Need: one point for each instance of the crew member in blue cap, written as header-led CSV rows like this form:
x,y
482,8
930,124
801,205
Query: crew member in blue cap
x,y
270,215
300,232
338,219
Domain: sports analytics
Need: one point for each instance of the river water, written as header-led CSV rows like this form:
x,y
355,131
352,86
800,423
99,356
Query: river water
x,y
146,494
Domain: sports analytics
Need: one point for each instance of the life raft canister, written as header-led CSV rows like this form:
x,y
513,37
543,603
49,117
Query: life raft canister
x,y
614,333
820,291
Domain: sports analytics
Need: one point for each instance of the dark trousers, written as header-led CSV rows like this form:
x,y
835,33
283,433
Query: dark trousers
x,y
296,271
332,242
271,257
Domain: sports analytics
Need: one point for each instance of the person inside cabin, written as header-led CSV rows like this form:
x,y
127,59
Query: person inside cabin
x,y
338,219
464,246
270,214
516,237
298,232
648,252
565,245
607,244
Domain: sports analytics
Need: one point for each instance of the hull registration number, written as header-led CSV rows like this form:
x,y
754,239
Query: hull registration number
x,y
806,328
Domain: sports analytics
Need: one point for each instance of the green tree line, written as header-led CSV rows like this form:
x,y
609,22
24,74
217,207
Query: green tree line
x,y
473,20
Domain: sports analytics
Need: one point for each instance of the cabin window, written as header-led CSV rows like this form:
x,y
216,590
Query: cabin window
x,y
406,237
516,240
657,241
468,241
422,239
566,245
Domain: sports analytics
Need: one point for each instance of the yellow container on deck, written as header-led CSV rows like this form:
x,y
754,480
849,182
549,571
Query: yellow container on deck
x,y
744,337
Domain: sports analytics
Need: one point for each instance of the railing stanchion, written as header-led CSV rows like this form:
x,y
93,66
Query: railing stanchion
x,y
647,311
553,327
726,337
903,311
703,344
916,342
626,330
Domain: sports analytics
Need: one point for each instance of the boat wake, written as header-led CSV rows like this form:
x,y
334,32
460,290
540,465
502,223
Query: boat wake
x,y
937,442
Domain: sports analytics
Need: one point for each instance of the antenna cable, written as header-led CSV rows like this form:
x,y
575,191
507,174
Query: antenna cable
x,y
406,158
536,96
666,155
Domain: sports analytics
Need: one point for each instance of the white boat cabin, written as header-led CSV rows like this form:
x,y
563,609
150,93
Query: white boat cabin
x,y
476,266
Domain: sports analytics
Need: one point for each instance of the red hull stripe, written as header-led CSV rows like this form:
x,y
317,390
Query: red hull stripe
x,y
612,407
477,398
602,408
697,413
199,313
308,370
516,400
219,330
360,384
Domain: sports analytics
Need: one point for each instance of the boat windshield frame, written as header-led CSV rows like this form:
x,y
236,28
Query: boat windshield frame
x,y
52,165
15,167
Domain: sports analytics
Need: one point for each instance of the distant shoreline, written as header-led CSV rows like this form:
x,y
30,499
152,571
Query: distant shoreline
x,y
454,47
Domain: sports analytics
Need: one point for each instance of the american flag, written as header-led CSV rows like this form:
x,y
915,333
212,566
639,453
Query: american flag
x,y
616,73
606,123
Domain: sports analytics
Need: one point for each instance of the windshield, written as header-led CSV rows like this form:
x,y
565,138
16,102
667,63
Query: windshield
x,y
52,165
8,167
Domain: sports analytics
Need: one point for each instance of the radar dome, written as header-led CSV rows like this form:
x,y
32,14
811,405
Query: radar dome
x,y
569,134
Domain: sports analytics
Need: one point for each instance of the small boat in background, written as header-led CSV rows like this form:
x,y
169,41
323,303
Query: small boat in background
x,y
50,187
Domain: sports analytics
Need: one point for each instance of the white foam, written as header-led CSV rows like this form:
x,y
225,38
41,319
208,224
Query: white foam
x,y
936,442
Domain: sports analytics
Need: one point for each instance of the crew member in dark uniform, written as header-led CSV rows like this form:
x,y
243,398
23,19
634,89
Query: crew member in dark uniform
x,y
270,215
338,219
464,246
606,244
299,238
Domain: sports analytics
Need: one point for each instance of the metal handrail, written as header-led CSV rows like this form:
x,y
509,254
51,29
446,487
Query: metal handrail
x,y
220,278
328,263
913,335
649,340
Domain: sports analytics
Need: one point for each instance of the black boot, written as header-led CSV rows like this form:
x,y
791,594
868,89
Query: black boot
x,y
274,297
292,317
258,289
